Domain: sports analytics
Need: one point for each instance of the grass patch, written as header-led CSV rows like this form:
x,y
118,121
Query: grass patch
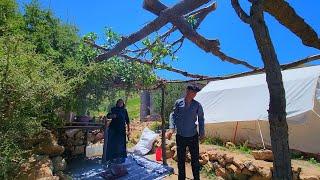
x,y
244,148
314,162
213,141
133,107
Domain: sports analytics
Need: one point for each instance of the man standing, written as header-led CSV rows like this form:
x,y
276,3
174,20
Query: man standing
x,y
186,112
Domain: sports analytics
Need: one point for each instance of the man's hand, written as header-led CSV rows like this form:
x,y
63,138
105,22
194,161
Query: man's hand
x,y
169,133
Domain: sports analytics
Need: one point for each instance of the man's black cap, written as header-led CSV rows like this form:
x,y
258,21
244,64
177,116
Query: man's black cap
x,y
194,88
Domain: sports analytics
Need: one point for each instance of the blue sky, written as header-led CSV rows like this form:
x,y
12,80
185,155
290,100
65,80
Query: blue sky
x,y
236,38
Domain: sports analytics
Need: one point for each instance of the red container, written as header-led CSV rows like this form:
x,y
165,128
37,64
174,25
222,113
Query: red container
x,y
158,154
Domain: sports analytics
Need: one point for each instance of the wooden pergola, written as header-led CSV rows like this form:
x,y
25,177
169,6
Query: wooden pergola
x,y
177,15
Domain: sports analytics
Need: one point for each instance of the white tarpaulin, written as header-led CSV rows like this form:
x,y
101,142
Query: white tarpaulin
x,y
246,99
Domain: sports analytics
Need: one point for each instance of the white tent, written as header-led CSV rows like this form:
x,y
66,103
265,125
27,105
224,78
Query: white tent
x,y
236,109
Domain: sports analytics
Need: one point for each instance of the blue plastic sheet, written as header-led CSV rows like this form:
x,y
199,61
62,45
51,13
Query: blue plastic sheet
x,y
138,168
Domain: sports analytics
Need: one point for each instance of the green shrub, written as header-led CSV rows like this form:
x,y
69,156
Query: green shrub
x,y
213,141
244,148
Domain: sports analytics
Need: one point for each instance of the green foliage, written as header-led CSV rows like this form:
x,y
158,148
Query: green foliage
x,y
192,21
314,161
210,174
159,49
47,69
133,106
213,141
296,155
173,92
155,126
244,148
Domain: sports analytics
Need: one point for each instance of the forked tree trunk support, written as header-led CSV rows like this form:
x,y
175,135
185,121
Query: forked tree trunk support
x,y
277,105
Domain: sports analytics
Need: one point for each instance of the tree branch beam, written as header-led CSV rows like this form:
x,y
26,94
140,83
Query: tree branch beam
x,y
287,16
188,32
260,70
148,62
180,9
240,12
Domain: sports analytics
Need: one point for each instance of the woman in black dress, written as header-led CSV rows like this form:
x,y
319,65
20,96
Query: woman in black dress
x,y
114,149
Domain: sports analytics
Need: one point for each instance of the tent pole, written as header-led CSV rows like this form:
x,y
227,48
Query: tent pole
x,y
163,130
235,133
264,147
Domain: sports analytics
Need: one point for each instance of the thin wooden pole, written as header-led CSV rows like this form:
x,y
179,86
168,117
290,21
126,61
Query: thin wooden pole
x,y
235,133
163,130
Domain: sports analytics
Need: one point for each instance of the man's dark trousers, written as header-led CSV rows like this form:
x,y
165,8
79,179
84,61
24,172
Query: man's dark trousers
x,y
193,144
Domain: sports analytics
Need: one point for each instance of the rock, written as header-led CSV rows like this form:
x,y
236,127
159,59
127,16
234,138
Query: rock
x,y
228,159
238,163
309,177
44,168
296,170
230,145
79,142
59,164
221,161
249,165
265,172
257,177
204,159
174,148
78,150
90,137
50,178
70,133
48,145
219,178
51,150
63,176
169,154
213,156
175,156
245,171
221,172
208,167
79,135
233,169
171,144
98,137
265,155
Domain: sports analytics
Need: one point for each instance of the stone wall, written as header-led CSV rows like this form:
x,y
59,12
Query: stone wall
x,y
75,141
236,165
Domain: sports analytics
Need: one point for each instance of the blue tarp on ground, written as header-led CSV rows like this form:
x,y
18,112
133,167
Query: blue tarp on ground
x,y
138,168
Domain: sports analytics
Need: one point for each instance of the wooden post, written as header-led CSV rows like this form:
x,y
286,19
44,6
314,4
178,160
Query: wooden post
x,y
235,133
163,130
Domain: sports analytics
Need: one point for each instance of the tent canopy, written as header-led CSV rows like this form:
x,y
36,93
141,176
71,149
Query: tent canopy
x,y
247,98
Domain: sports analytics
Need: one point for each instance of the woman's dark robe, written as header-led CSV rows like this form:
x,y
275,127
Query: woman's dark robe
x,y
115,136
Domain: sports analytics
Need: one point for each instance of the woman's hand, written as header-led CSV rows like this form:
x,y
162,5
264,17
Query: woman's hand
x,y
128,135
